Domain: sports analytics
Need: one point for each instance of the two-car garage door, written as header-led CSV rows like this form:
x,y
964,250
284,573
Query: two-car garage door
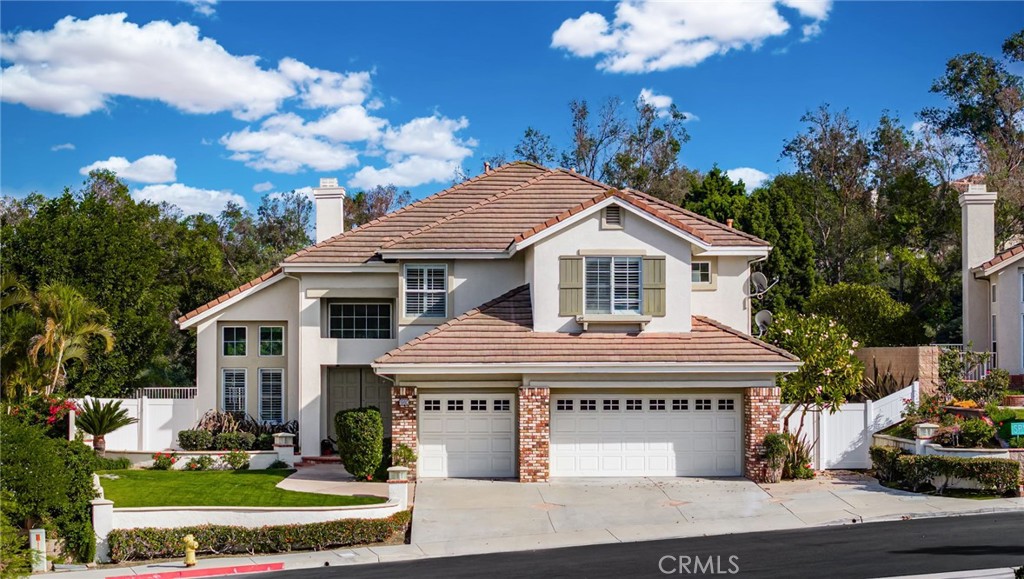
x,y
596,434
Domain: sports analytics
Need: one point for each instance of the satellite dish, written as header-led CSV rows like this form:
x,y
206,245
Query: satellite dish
x,y
760,283
763,319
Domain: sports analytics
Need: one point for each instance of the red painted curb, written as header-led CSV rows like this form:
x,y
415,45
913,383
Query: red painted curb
x,y
210,572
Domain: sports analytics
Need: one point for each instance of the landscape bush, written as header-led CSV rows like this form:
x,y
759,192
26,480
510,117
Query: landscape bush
x,y
15,556
914,472
797,464
234,441
235,459
51,482
204,462
264,441
195,439
104,463
360,440
151,543
776,449
164,460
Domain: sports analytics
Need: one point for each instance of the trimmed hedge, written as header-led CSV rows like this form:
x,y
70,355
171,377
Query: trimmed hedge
x,y
892,467
150,543
360,440
195,439
234,441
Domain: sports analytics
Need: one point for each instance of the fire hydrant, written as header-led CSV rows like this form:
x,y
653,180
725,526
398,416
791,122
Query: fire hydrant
x,y
190,550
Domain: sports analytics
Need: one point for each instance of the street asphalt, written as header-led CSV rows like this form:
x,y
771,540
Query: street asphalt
x,y
885,549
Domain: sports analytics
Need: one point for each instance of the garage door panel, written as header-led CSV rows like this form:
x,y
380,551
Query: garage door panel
x,y
466,435
652,435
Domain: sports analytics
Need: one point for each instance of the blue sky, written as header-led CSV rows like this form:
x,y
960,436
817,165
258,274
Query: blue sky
x,y
199,102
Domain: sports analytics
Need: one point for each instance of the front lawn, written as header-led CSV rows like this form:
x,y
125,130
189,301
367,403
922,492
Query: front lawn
x,y
232,488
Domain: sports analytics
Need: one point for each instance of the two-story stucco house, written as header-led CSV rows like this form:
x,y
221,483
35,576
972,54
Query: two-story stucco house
x,y
528,322
993,285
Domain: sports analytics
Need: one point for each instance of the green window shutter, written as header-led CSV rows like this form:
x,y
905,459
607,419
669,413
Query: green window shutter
x,y
654,285
570,286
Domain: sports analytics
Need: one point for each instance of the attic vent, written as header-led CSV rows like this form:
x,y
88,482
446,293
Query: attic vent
x,y
613,216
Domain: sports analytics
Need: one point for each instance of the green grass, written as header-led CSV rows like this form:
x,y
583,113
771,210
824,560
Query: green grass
x,y
233,488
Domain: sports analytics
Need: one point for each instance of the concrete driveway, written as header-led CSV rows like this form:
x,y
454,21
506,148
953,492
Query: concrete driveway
x,y
459,516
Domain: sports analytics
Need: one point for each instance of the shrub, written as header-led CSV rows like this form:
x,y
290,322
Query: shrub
x,y
264,441
151,543
914,472
235,460
279,465
101,418
51,479
234,441
870,314
104,463
360,440
204,462
15,556
1017,442
403,455
797,464
976,432
195,439
164,461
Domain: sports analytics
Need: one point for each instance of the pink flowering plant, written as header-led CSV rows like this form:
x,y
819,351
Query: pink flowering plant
x,y
164,460
830,372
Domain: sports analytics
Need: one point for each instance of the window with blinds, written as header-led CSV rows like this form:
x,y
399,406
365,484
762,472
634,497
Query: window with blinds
x,y
233,387
426,290
613,285
271,395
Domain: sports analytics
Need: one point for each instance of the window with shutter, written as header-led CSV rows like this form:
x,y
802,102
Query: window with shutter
x,y
613,285
570,286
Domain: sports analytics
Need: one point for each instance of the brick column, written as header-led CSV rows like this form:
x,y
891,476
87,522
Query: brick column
x,y
534,434
403,421
761,411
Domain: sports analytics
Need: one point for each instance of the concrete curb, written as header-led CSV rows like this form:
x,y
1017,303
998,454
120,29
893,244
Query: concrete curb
x,y
208,572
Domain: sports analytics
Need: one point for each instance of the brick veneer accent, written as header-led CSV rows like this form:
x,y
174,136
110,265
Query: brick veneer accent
x,y
534,434
761,410
403,421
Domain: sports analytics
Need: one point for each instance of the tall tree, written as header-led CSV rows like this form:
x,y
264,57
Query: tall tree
x,y
365,206
593,142
649,151
834,157
717,196
535,147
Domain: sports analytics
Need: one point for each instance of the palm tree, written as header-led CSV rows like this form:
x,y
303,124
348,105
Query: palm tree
x,y
99,420
70,322
17,325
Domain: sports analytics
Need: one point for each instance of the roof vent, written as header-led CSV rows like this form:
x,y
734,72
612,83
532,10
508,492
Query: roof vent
x,y
613,216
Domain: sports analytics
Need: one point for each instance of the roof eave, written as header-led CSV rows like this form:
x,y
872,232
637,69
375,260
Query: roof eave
x,y
585,367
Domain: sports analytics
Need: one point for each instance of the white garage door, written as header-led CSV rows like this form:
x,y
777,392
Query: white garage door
x,y
466,435
646,435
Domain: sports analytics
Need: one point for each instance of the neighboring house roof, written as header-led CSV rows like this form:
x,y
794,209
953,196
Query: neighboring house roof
x,y
964,183
1004,259
490,212
500,333
246,287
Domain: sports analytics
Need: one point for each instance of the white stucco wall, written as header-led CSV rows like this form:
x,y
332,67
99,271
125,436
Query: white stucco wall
x,y
727,302
1009,311
637,235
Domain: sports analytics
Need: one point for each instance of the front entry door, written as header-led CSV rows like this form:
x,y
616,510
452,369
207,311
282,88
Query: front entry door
x,y
355,387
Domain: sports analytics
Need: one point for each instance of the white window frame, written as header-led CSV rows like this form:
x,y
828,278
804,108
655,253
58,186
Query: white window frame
x,y
282,394
340,305
407,291
613,301
696,269
223,341
259,340
224,388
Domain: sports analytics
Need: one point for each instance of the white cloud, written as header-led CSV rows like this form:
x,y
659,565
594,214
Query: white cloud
x,y
648,35
661,102
263,187
189,199
751,177
148,169
203,7
324,88
690,117
78,66
424,150
63,147
283,144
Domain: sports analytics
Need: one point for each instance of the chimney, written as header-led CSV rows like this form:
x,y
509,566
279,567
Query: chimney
x,y
330,209
487,167
728,223
978,245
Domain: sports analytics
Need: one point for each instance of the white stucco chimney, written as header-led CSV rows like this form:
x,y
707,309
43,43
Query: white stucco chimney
x,y
330,209
978,245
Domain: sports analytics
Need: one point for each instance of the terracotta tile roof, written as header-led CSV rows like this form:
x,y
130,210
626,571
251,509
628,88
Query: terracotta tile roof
x,y
714,232
961,185
361,244
221,299
1002,257
501,332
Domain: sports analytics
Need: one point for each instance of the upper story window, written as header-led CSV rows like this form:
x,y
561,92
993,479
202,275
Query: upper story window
x,y
370,321
271,340
426,290
613,285
234,341
700,272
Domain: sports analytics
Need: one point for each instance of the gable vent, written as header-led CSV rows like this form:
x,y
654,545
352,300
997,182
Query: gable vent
x,y
613,215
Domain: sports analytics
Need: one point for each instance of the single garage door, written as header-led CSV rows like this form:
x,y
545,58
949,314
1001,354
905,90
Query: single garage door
x,y
667,434
466,435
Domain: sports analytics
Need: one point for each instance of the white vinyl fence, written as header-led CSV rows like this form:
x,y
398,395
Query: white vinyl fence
x,y
162,412
842,440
